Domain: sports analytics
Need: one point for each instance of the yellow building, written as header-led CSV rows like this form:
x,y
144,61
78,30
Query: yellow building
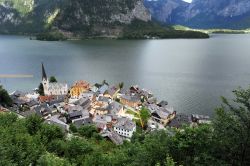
x,y
78,88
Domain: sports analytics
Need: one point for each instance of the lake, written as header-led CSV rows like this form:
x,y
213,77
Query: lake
x,y
191,74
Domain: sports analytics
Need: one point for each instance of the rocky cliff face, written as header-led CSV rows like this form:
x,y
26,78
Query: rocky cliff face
x,y
100,17
203,13
166,10
92,17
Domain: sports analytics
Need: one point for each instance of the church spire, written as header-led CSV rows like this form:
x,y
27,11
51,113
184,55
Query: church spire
x,y
44,76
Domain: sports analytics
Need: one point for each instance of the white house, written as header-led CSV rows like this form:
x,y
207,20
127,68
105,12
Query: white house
x,y
125,127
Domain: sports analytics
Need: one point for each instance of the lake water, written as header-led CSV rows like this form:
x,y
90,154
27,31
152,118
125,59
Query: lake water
x,y
190,74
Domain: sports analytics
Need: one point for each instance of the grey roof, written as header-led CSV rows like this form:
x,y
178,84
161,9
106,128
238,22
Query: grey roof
x,y
17,93
84,102
162,112
102,119
42,110
112,90
88,94
179,120
115,138
163,103
145,93
75,108
28,113
104,99
103,89
152,100
133,98
18,101
125,123
82,121
58,99
100,125
152,108
32,103
56,121
114,107
78,111
75,114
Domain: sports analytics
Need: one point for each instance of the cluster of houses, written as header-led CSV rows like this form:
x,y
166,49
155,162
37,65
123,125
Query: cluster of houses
x,y
107,107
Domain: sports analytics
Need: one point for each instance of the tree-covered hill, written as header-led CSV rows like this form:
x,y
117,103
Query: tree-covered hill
x,y
77,18
224,142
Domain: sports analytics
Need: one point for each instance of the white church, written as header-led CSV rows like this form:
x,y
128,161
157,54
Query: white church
x,y
52,88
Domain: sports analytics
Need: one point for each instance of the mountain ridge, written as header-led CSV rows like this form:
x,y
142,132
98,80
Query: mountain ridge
x,y
202,13
69,15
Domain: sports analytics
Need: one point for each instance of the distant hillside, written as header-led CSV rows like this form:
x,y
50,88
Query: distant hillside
x,y
61,19
234,14
88,17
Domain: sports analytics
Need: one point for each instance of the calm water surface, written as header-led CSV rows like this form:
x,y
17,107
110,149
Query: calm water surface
x,y
190,74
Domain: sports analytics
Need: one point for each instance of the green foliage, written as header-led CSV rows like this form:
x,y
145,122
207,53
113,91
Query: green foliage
x,y
121,85
58,146
224,142
49,133
145,115
17,146
5,99
72,128
87,131
51,36
169,161
40,90
232,129
51,160
33,124
78,149
20,6
7,119
144,30
52,79
191,145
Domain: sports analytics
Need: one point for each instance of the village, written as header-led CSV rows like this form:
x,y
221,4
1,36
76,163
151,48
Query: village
x,y
114,110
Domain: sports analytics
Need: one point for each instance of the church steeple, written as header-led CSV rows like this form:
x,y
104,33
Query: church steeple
x,y
44,76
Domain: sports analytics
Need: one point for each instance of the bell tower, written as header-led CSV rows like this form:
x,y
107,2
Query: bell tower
x,y
45,81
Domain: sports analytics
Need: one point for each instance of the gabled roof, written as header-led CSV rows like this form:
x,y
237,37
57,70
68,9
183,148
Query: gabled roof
x,y
32,103
161,114
179,120
114,107
112,90
115,138
104,99
74,108
103,89
82,121
84,102
43,108
75,114
56,121
102,119
132,98
125,123
162,103
17,93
